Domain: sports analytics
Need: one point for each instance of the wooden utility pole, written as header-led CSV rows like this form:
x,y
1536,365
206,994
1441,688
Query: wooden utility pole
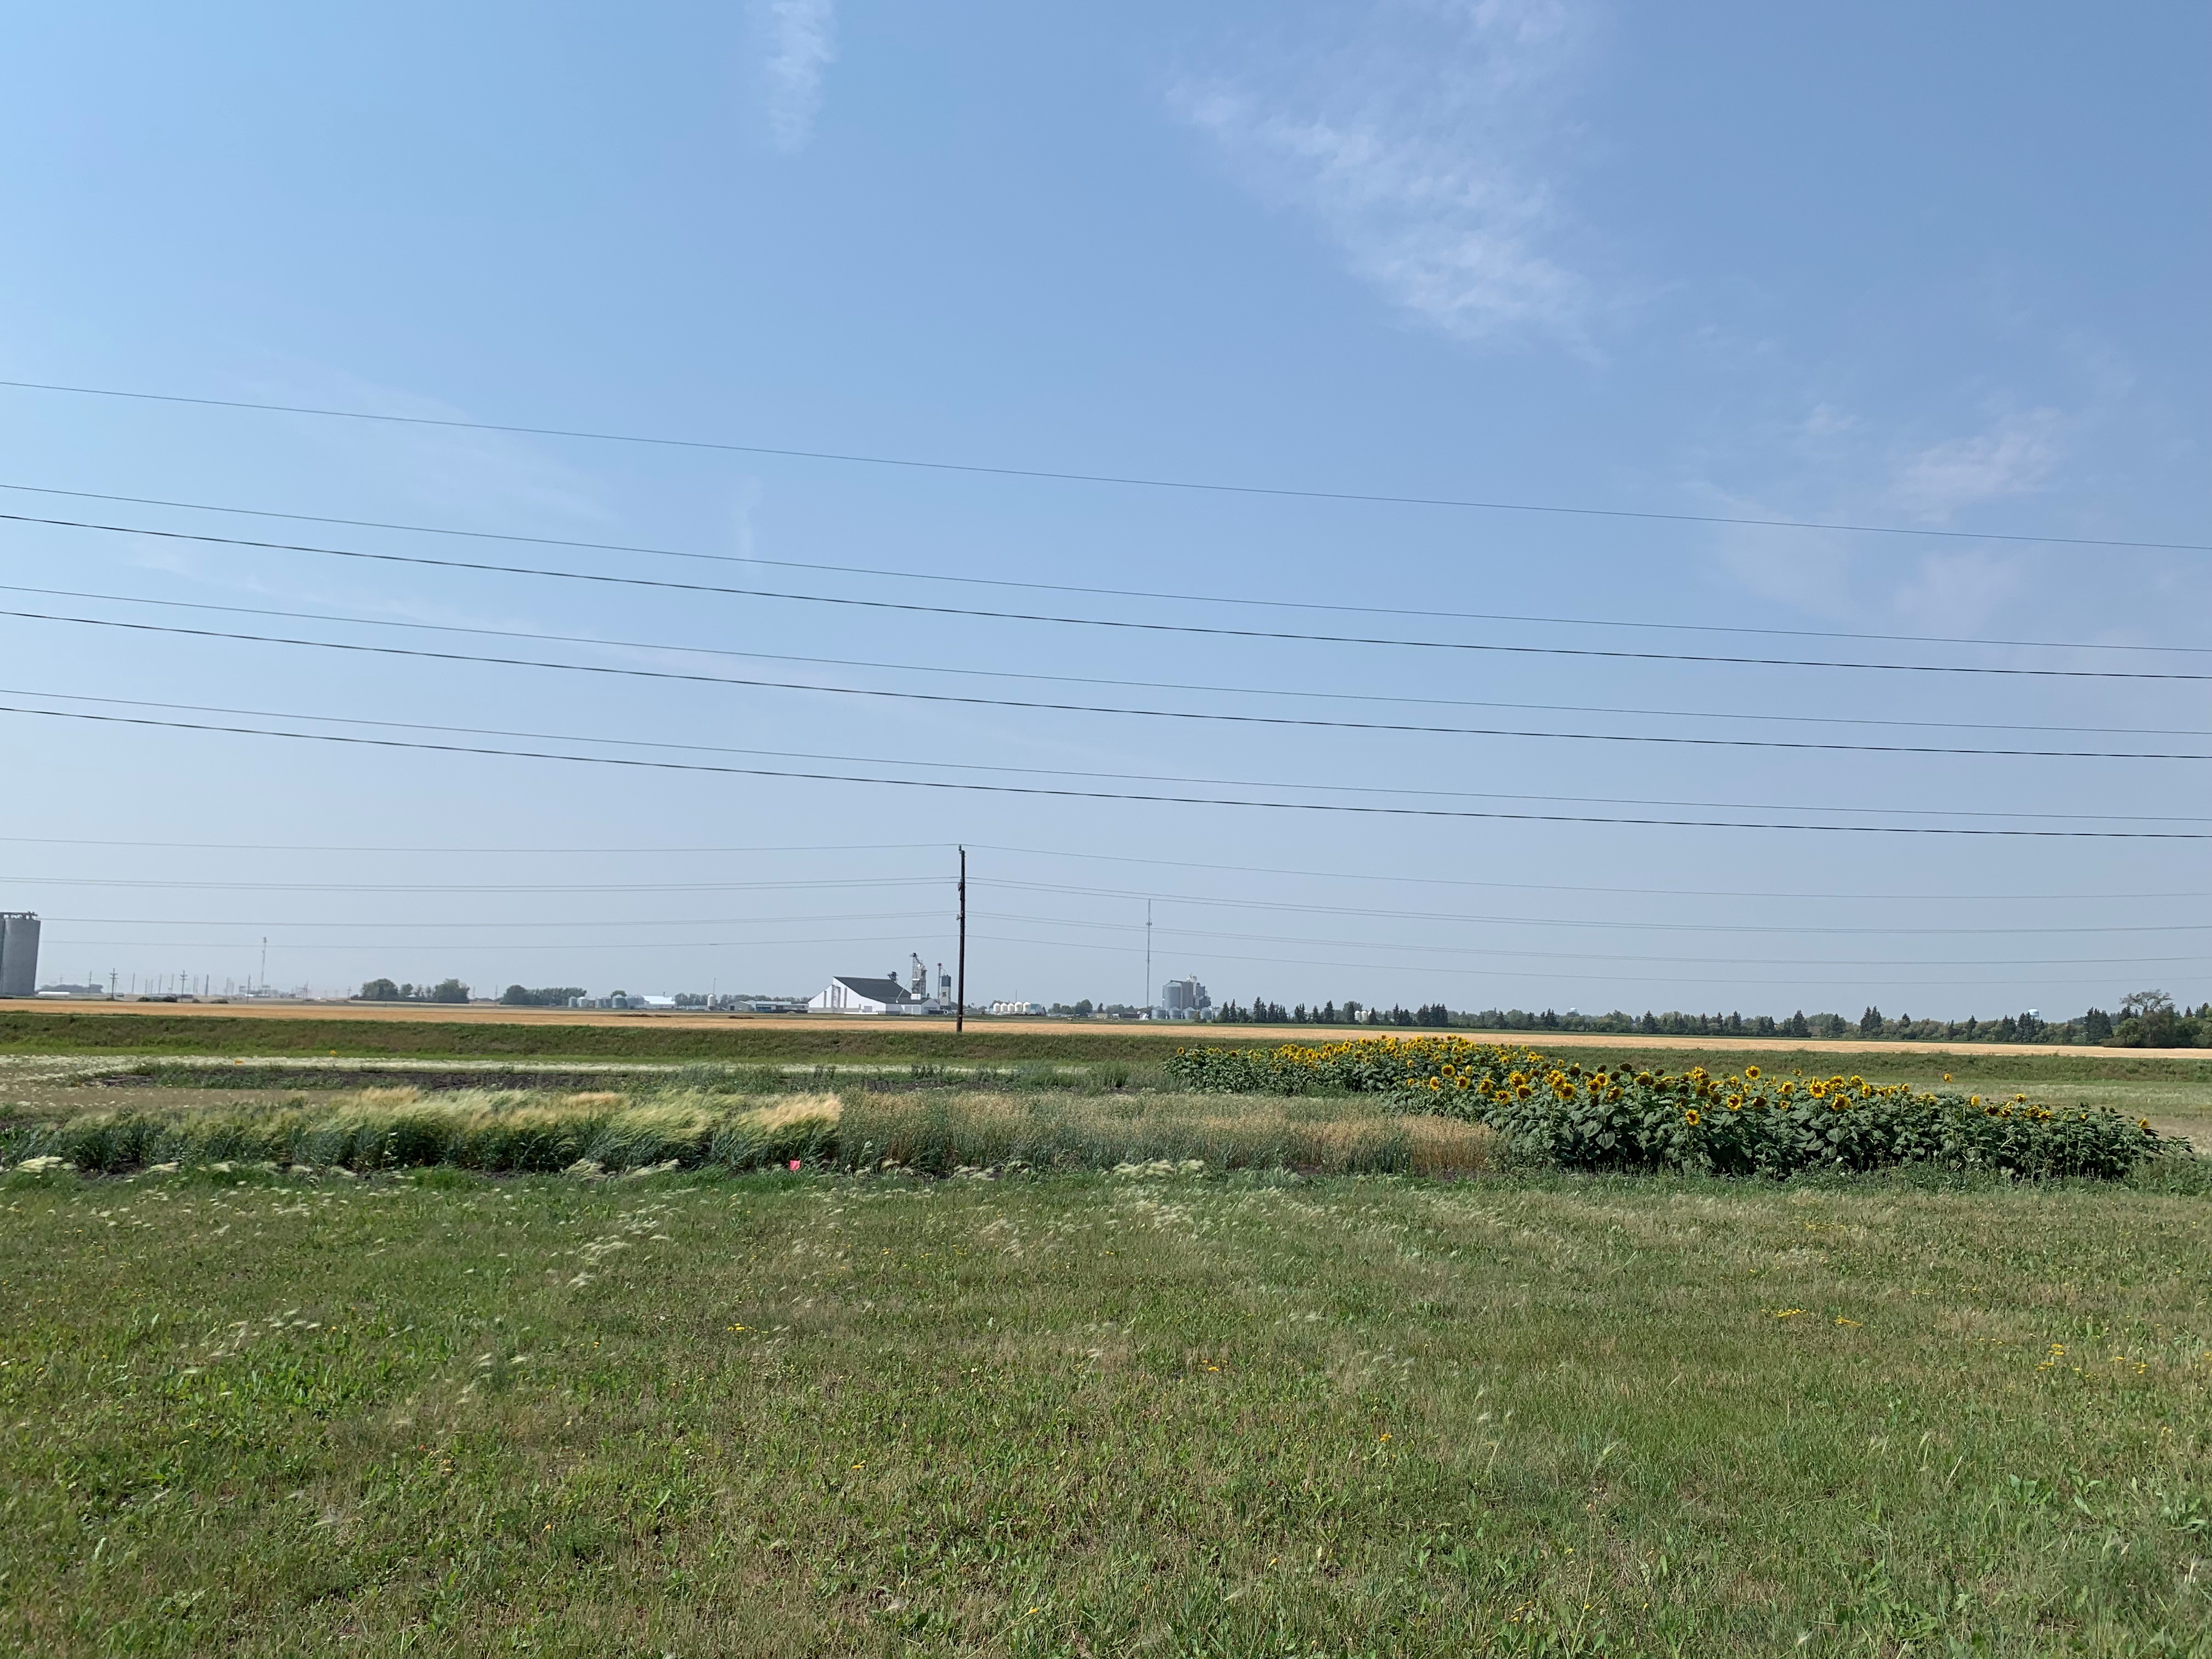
x,y
960,987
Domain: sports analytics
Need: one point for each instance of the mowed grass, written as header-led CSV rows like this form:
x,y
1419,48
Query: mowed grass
x,y
1088,1415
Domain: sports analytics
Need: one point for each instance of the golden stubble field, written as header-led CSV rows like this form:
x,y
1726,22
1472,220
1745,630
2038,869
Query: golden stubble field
x,y
1162,1030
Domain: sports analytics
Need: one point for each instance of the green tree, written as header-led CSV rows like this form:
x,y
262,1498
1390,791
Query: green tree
x,y
379,990
2148,1019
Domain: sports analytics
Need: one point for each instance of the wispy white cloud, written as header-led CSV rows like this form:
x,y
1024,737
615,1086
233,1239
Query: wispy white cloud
x,y
1846,474
1417,146
467,476
1957,589
2012,457
801,40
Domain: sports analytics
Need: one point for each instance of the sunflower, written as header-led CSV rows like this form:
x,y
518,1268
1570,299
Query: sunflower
x,y
1752,1072
1690,1117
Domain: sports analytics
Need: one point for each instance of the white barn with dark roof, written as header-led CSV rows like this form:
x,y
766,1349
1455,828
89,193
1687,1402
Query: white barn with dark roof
x,y
857,994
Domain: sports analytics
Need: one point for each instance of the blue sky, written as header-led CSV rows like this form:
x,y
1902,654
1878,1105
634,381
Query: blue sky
x,y
1938,269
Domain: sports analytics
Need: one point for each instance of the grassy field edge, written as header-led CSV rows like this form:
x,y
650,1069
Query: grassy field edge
x,y
71,1032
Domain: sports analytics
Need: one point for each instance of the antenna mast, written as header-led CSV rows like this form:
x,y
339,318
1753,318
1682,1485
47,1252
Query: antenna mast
x,y
1148,954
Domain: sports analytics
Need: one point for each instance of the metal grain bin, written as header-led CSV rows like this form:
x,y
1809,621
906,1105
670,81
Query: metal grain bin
x,y
19,954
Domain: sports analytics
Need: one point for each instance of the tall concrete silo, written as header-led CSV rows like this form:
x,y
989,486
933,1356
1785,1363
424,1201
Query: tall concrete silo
x,y
19,954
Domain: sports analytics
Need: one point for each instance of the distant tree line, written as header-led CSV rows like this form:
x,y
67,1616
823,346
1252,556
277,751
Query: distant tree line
x,y
1263,1012
383,990
2145,1019
545,996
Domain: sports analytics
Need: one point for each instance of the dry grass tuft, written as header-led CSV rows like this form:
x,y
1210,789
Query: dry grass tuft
x,y
951,1132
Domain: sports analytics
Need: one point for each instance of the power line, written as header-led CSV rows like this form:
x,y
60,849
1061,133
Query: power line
x,y
1569,921
1038,704
1092,680
566,921
667,744
912,608
1582,955
1514,953
1100,794
562,888
1072,922
1432,970
1557,887
493,851
1395,879
504,947
1119,479
1273,961
895,573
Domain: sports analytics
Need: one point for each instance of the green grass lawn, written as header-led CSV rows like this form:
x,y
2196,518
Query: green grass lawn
x,y
1090,1415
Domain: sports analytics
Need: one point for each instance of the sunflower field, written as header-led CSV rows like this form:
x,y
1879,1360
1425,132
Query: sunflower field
x,y
1747,1123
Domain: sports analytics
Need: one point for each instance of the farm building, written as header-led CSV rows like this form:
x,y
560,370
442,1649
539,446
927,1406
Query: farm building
x,y
858,993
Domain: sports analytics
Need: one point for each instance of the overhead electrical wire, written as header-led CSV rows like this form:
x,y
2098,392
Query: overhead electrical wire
x,y
1514,953
938,914
1276,906
1060,476
1305,722
1096,925
1569,956
504,947
1210,901
1432,970
1093,679
963,787
1542,886
1427,968
1207,630
1013,885
1393,878
130,885
892,573
665,744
